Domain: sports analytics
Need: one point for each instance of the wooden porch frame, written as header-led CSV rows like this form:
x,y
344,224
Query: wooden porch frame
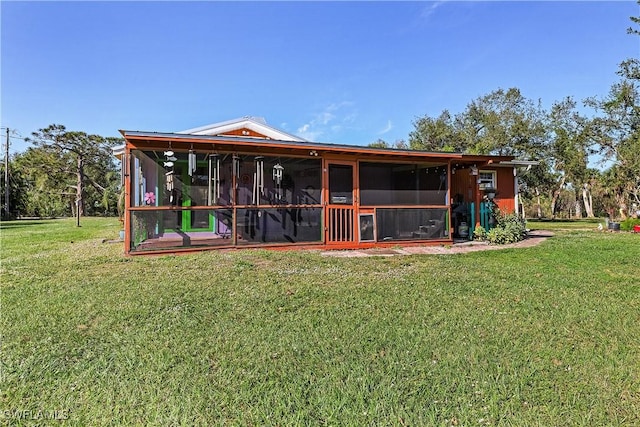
x,y
327,154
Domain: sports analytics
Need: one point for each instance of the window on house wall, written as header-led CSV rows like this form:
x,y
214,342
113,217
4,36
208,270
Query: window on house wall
x,y
487,179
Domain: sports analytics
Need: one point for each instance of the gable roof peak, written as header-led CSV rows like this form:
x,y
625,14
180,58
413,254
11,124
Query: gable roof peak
x,y
256,124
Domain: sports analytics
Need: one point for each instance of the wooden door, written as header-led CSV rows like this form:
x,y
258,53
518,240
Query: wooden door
x,y
341,203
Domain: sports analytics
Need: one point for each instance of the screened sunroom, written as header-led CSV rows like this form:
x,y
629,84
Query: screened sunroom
x,y
242,188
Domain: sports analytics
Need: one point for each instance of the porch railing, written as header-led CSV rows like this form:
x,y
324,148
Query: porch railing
x,y
340,224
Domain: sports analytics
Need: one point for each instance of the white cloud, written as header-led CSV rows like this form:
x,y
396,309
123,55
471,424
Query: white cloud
x,y
325,117
430,9
307,132
387,128
330,120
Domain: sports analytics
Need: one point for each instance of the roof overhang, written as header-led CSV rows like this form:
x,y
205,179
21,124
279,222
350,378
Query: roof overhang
x,y
158,140
520,163
246,144
118,151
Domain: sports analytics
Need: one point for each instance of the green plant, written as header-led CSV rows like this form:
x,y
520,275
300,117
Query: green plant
x,y
480,233
510,228
627,224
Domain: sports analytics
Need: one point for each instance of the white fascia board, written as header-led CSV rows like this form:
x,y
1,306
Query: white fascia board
x,y
248,123
118,151
201,129
272,133
520,163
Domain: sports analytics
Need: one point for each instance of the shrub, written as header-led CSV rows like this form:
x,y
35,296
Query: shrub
x,y
627,224
498,236
480,233
510,228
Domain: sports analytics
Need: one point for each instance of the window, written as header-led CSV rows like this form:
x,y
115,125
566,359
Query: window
x,y
341,184
402,184
487,179
367,228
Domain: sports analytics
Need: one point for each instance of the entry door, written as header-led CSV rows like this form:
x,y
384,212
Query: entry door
x,y
341,203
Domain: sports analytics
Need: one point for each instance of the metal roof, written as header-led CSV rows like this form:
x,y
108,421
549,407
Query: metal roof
x,y
306,145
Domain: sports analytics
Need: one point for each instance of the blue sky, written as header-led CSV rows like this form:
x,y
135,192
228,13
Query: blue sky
x,y
342,72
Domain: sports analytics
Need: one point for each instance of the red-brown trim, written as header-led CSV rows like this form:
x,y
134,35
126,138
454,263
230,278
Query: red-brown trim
x,y
126,163
296,246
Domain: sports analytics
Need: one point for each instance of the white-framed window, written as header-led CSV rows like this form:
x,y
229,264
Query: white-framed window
x,y
487,179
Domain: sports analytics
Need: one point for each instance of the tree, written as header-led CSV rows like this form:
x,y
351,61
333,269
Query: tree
x,y
39,169
618,130
503,123
17,184
635,20
435,134
569,148
76,161
381,143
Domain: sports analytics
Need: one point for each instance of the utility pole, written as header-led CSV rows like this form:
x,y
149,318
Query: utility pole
x,y
6,177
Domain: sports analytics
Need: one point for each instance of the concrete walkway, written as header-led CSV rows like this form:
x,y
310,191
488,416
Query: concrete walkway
x,y
535,237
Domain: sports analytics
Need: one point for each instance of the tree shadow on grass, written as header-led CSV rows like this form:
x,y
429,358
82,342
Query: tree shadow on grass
x,y
20,223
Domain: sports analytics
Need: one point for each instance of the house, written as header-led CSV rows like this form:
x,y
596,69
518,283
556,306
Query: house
x,y
242,183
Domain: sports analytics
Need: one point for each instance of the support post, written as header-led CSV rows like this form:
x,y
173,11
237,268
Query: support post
x,y
477,199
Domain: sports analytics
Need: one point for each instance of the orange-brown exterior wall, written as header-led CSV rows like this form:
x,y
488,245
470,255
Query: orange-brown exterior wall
x,y
505,183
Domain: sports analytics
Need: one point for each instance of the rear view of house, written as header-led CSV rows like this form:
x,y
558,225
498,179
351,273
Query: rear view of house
x,y
243,183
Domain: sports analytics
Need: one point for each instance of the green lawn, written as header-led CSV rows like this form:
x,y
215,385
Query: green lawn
x,y
565,224
541,336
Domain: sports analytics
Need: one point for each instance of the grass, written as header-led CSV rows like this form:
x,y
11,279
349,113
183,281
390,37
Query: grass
x,y
543,336
565,224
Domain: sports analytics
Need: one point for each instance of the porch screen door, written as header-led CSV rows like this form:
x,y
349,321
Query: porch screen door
x,y
341,203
